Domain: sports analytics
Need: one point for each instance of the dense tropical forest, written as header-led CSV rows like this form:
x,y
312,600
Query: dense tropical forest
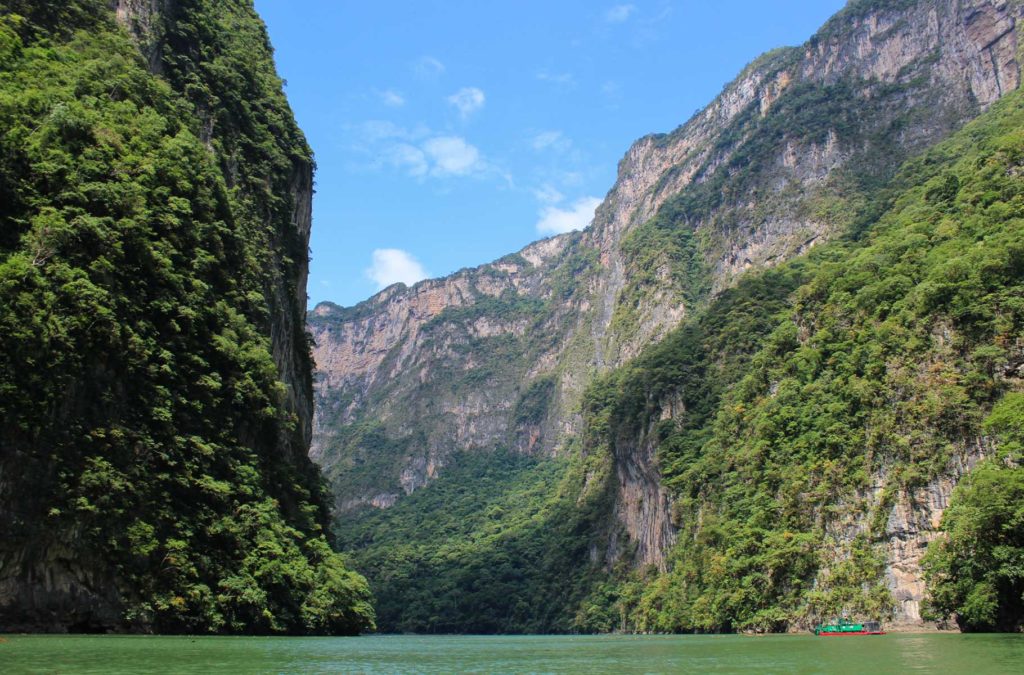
x,y
153,462
895,348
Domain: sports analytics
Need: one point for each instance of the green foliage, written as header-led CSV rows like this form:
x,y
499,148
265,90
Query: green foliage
x,y
663,252
368,459
1006,423
698,361
578,265
509,306
497,544
535,402
977,571
878,353
854,11
142,407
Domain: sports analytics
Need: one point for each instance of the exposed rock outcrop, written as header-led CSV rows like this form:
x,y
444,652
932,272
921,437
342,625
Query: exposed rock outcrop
x,y
145,20
913,523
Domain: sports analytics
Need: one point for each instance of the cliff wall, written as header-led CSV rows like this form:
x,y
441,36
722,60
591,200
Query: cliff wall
x,y
775,165
157,419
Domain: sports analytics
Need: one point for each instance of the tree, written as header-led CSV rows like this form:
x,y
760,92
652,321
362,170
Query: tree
x,y
977,571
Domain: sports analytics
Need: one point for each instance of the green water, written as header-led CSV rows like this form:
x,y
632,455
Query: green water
x,y
973,654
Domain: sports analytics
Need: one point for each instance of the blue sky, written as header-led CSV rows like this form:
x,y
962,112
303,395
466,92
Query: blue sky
x,y
450,133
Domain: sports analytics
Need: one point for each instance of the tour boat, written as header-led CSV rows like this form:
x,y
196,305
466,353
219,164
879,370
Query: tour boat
x,y
844,627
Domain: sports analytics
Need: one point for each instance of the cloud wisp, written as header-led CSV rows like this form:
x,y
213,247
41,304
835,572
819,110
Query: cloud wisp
x,y
428,67
419,152
391,98
392,266
467,101
566,80
619,13
408,158
452,156
548,194
555,220
550,140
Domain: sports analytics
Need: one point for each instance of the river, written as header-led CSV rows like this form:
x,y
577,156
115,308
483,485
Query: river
x,y
591,655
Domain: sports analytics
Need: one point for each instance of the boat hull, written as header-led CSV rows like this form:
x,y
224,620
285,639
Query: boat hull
x,y
844,633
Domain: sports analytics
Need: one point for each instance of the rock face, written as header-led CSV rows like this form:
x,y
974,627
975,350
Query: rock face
x,y
769,169
912,519
913,523
144,19
287,301
458,353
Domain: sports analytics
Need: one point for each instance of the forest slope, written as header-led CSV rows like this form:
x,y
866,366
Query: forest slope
x,y
155,376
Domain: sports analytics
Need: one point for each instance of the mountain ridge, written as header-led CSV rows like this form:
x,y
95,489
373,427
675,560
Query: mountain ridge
x,y
796,152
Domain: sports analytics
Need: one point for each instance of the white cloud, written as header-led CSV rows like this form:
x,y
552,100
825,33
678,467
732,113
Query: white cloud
x,y
554,220
548,194
408,157
619,13
428,67
550,140
392,98
392,266
467,101
418,152
452,156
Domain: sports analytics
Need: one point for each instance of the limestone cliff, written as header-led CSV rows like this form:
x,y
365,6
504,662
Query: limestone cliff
x,y
777,164
448,362
145,20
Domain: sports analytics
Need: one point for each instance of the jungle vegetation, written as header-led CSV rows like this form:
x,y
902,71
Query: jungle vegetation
x,y
145,221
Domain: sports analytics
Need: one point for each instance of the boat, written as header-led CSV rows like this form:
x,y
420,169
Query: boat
x,y
844,627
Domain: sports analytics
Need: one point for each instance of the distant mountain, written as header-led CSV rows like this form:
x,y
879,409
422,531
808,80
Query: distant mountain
x,y
739,399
